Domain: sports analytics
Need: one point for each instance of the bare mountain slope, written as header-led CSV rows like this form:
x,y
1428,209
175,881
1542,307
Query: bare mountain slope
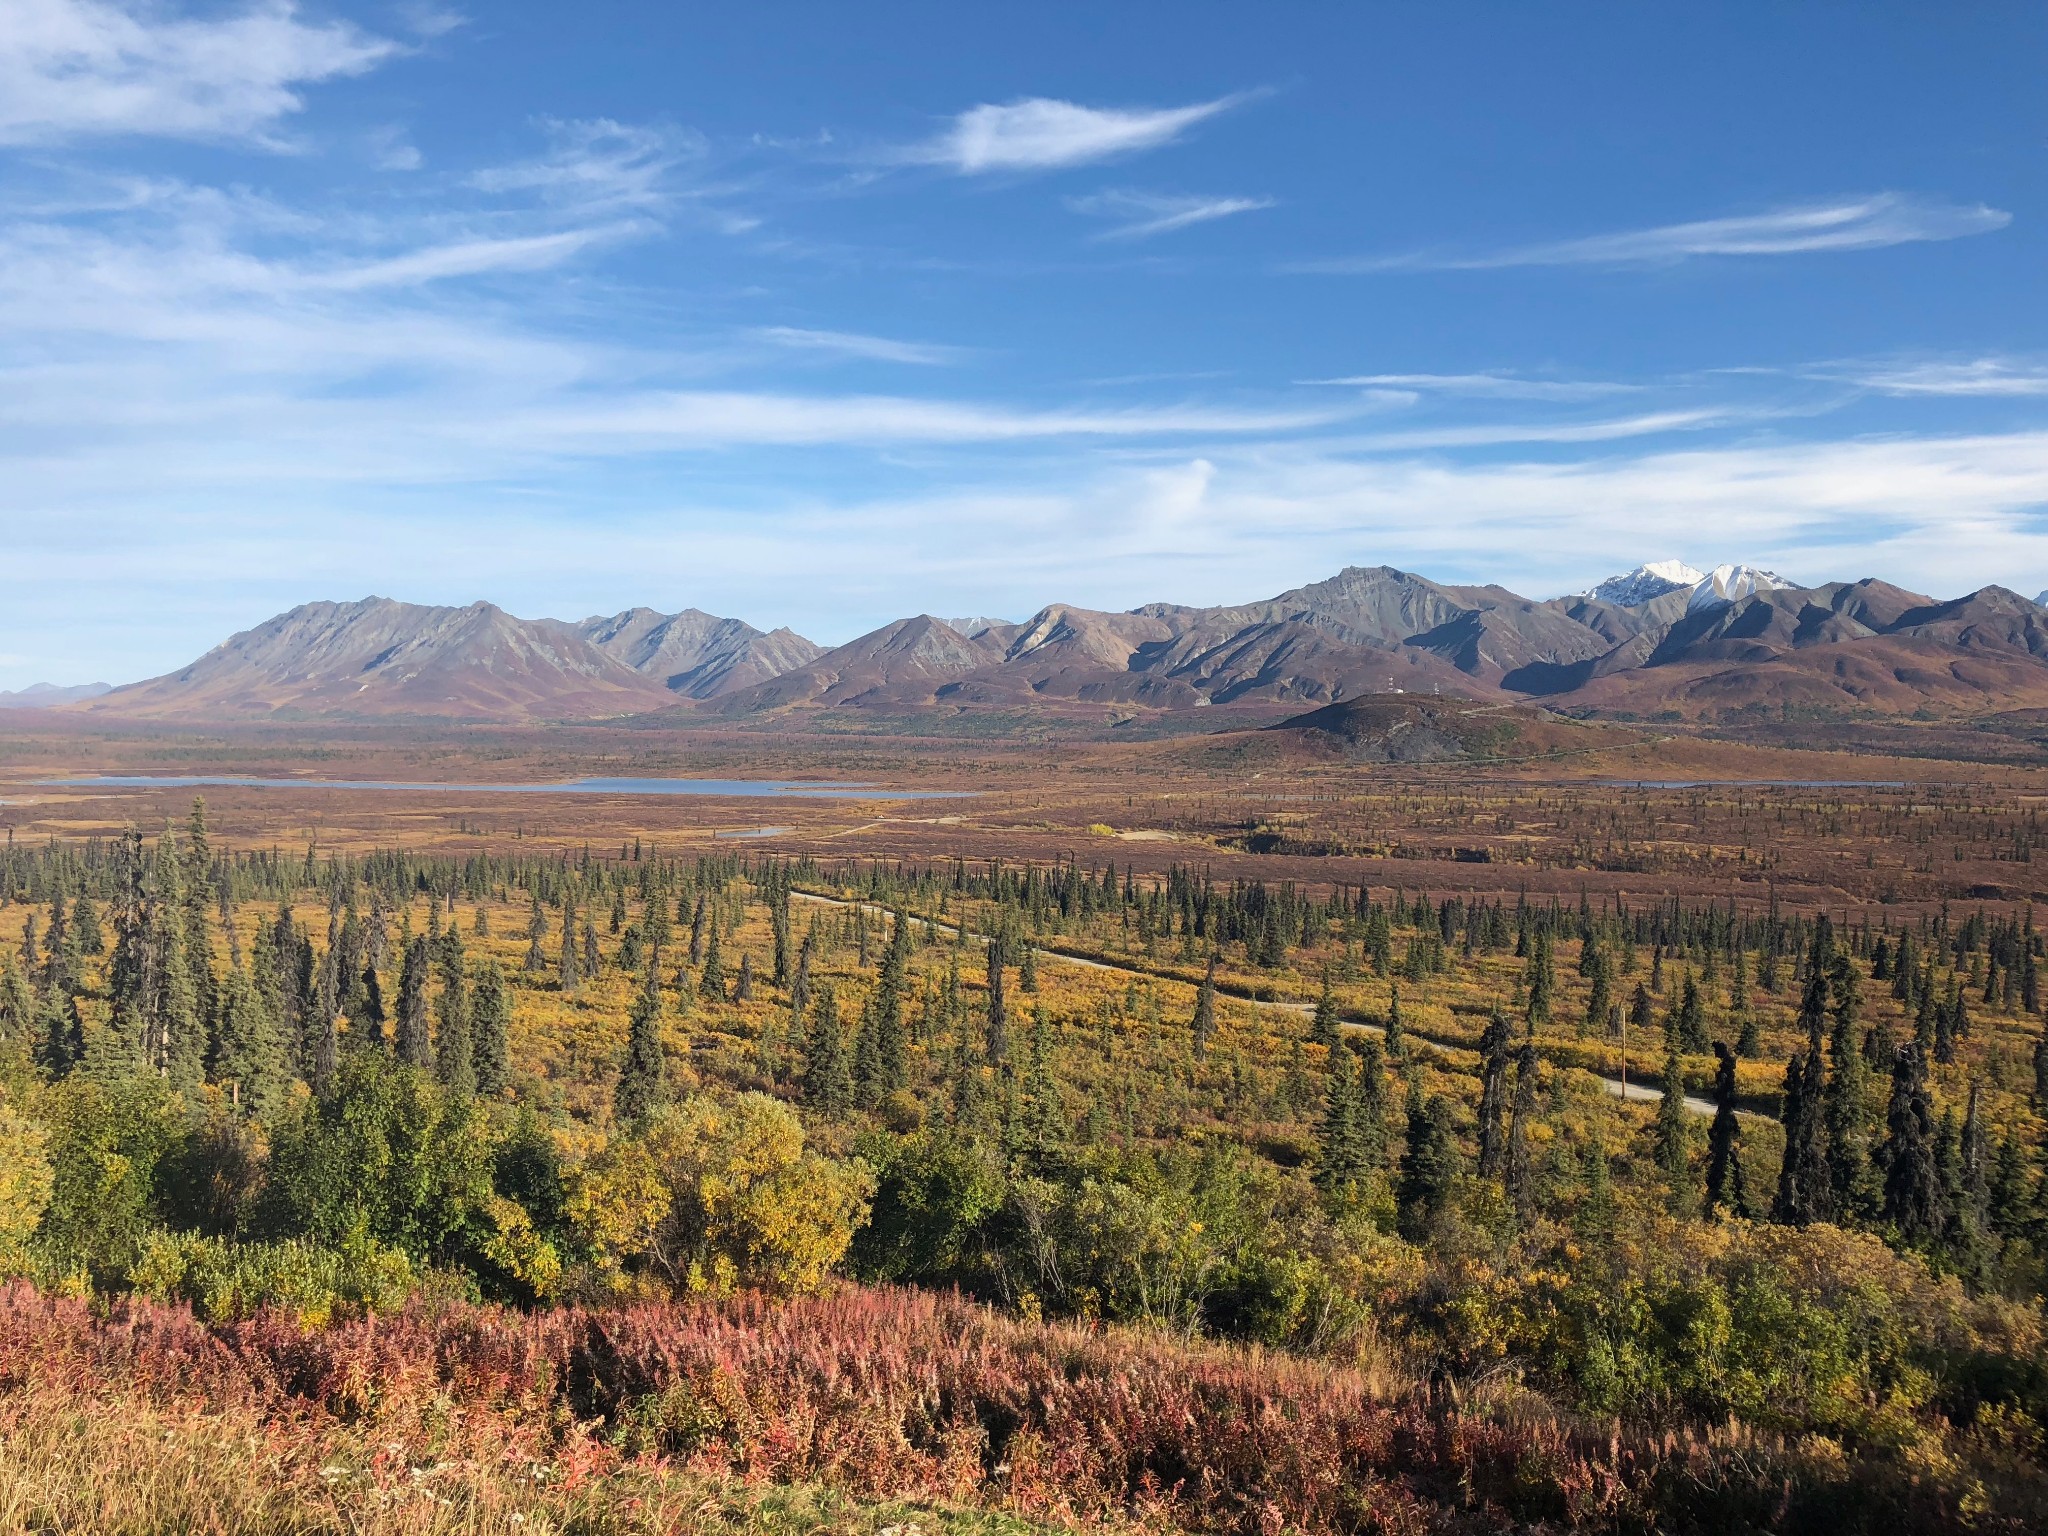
x,y
379,657
697,655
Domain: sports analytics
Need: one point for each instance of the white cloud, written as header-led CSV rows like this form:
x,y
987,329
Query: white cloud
x,y
1494,386
879,349
1984,376
465,258
729,419
1039,134
1143,214
1846,224
1208,524
598,164
77,68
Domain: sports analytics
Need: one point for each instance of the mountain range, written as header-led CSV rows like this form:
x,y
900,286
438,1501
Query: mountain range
x,y
1660,639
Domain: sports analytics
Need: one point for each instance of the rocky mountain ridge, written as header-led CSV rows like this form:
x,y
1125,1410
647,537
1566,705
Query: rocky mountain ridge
x,y
1738,638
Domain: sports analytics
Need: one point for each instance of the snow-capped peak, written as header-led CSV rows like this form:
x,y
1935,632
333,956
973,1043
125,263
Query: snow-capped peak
x,y
1644,583
1732,583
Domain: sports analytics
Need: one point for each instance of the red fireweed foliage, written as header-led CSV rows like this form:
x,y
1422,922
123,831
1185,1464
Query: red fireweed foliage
x,y
911,1395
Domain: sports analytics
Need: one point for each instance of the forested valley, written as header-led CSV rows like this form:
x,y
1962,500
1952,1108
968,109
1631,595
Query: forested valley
x,y
684,1145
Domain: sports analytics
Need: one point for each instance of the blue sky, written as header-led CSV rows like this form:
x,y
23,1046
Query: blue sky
x,y
821,314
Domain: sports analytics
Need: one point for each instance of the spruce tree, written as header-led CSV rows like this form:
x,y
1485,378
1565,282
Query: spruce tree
x,y
454,1049
1805,1180
1338,1159
1519,1174
490,1027
892,1056
828,1075
415,1042
1325,1028
1369,1104
1727,1186
1496,1046
1600,997
998,1046
1845,1107
1542,979
569,971
1671,1135
1690,1019
1040,1128
1204,1023
1913,1197
61,1043
247,1060
1430,1165
711,983
536,936
643,1079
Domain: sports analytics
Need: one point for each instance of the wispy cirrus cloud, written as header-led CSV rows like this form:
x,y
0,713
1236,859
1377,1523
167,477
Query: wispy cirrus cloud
x,y
1040,133
1141,215
1843,224
1987,376
879,349
1491,386
95,68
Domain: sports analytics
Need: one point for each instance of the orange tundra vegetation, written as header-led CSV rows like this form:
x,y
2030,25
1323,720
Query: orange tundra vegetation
x,y
602,1190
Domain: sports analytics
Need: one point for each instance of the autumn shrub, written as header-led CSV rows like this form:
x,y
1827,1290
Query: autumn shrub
x,y
1801,1329
909,1395
223,1280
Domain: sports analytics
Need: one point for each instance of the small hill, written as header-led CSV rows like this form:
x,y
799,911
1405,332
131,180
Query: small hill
x,y
1407,728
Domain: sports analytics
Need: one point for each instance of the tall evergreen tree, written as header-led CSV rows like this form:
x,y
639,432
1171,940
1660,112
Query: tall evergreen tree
x,y
569,968
248,1055
454,1048
1496,1047
1519,1174
1430,1165
892,1055
711,982
415,1041
536,937
1845,1108
1671,1135
1913,1196
1805,1180
1339,1162
1204,1023
828,1075
1600,996
490,1014
998,1046
1324,1028
1727,1185
643,1080
1542,979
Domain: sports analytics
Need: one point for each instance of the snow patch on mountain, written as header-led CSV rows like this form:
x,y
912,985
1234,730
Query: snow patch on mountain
x,y
1731,583
1644,583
